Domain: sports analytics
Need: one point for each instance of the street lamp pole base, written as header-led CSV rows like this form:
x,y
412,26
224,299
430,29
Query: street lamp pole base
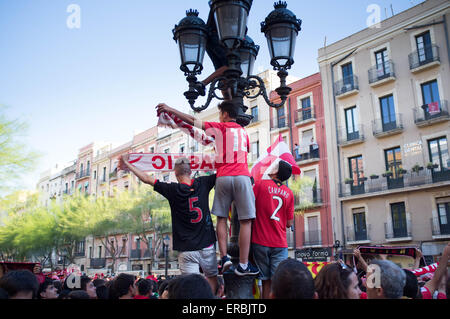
x,y
238,287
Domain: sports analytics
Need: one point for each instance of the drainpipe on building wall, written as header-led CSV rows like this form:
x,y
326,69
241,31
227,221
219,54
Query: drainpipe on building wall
x,y
333,64
292,151
446,37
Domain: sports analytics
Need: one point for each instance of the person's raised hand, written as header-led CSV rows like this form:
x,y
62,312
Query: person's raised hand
x,y
162,107
122,160
419,254
357,253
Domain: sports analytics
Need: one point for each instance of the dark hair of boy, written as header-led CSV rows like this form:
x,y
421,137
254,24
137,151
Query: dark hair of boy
x,y
99,282
144,287
102,292
64,294
292,280
121,285
192,286
284,171
19,282
228,107
411,289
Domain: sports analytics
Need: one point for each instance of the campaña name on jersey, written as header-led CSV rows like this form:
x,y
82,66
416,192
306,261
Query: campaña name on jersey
x,y
278,191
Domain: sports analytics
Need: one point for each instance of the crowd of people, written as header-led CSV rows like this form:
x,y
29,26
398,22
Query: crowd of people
x,y
291,280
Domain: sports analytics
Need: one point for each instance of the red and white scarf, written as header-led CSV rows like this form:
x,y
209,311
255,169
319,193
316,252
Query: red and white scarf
x,y
170,120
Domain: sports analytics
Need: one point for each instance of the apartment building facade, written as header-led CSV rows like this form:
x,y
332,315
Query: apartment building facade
x,y
386,94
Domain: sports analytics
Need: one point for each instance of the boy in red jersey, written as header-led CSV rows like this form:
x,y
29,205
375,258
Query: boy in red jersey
x,y
233,181
274,213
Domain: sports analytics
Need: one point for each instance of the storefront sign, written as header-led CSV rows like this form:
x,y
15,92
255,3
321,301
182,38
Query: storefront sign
x,y
313,254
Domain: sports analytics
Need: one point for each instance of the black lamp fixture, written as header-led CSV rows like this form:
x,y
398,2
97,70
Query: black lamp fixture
x,y
281,28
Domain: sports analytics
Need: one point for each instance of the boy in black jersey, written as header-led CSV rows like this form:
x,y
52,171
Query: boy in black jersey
x,y
192,228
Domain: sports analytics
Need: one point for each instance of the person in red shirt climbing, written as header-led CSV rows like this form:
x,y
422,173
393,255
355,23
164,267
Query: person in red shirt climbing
x,y
233,182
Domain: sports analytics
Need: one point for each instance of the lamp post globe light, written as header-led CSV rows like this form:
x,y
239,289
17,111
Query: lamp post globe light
x,y
194,37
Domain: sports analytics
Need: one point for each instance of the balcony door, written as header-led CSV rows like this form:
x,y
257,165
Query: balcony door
x,y
444,217
383,67
393,160
281,118
357,174
424,49
351,123
359,224
306,109
388,119
347,74
438,150
431,100
399,224
313,237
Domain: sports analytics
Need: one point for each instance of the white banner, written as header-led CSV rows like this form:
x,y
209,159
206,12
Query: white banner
x,y
149,162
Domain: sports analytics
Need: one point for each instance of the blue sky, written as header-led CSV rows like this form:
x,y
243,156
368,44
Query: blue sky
x,y
101,82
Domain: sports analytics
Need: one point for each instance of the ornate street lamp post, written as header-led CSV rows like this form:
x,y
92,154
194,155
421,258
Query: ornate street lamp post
x,y
193,35
226,41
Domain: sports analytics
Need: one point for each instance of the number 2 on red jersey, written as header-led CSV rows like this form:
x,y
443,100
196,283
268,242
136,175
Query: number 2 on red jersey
x,y
199,212
280,204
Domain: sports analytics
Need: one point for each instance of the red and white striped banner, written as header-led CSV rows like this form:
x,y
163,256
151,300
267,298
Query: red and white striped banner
x,y
424,270
149,162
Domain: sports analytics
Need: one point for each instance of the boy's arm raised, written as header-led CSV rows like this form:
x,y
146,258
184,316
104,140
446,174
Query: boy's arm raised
x,y
189,119
140,174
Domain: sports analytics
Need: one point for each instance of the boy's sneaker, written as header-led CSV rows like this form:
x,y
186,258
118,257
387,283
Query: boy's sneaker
x,y
249,271
225,263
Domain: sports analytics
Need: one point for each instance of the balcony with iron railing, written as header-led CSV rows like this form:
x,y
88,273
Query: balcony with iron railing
x,y
98,263
424,58
279,123
304,115
120,252
432,113
347,137
415,177
310,198
136,254
381,74
346,87
306,155
440,227
401,231
113,175
358,237
312,238
147,254
83,174
79,254
387,126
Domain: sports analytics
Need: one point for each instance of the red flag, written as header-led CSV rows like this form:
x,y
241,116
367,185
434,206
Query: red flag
x,y
433,107
279,150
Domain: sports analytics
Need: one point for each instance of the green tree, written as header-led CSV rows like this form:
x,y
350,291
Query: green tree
x,y
15,158
303,189
149,215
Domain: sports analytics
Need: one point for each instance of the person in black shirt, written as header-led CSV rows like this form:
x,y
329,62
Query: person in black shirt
x,y
193,232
